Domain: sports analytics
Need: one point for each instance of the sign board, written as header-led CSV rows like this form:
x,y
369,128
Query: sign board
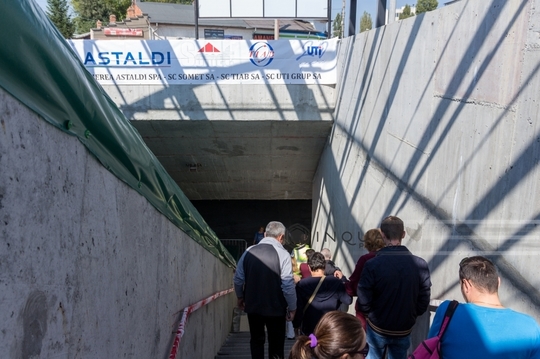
x,y
187,62
292,9
108,31
214,34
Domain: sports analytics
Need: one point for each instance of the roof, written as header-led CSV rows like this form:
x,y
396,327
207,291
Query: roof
x,y
180,14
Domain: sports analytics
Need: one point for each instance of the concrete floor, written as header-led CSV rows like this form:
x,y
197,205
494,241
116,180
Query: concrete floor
x,y
236,345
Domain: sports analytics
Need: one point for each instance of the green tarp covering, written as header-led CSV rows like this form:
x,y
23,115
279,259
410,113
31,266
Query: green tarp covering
x,y
40,69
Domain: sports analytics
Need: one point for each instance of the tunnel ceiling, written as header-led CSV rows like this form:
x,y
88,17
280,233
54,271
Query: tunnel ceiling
x,y
238,160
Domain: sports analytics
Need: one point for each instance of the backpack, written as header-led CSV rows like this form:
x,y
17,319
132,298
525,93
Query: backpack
x,y
431,348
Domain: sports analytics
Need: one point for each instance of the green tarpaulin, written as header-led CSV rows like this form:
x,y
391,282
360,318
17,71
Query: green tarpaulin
x,y
40,69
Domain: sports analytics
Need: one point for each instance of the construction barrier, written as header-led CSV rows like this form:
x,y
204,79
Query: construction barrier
x,y
185,315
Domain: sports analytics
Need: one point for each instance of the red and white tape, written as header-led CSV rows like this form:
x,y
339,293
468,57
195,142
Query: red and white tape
x,y
185,315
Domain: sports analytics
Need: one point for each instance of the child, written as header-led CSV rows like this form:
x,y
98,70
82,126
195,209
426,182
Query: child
x,y
338,335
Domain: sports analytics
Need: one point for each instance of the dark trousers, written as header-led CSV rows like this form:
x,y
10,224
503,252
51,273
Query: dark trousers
x,y
275,327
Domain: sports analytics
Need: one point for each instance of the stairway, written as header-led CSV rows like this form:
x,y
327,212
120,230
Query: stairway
x,y
236,346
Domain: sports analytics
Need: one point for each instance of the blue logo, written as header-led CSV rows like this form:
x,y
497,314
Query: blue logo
x,y
261,54
313,50
128,59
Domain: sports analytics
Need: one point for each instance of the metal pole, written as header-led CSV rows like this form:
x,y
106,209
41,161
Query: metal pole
x,y
329,13
276,29
196,4
381,13
392,11
352,18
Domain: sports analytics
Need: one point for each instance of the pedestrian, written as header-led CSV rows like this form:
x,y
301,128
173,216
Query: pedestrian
x,y
305,272
259,235
317,295
483,327
394,289
338,335
264,286
331,268
372,242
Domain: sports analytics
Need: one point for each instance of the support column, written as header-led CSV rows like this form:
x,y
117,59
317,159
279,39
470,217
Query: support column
x,y
352,18
391,11
381,14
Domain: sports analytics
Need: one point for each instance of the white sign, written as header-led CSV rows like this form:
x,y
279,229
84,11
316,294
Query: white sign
x,y
180,62
292,9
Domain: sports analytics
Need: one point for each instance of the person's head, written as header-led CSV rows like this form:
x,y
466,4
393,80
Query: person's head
x,y
392,228
373,240
338,335
261,229
326,253
481,273
309,253
276,230
316,261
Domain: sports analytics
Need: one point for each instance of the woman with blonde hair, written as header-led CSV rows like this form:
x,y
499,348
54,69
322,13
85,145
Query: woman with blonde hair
x,y
338,335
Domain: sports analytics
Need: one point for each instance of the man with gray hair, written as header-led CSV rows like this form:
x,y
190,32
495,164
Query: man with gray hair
x,y
331,268
264,286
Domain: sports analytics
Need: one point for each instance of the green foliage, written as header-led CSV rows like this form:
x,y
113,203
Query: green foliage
x,y
187,2
58,12
89,11
365,22
406,13
338,26
426,5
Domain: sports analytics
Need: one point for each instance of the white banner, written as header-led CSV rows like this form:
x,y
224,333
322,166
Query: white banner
x,y
179,62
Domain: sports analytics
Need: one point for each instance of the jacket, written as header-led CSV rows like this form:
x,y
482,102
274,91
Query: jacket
x,y
393,290
264,279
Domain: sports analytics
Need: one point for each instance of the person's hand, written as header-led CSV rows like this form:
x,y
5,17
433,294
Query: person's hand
x,y
338,274
240,303
290,315
296,278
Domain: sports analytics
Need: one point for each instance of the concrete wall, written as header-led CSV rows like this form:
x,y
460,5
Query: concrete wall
x,y
225,102
88,268
437,122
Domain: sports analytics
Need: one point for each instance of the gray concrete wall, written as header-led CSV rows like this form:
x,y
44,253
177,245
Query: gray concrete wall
x,y
225,102
88,268
437,122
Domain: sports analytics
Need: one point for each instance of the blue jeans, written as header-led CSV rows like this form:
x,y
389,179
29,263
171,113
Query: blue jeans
x,y
396,347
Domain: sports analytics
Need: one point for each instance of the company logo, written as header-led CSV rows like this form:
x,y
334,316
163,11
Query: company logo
x,y
208,48
261,54
128,59
313,50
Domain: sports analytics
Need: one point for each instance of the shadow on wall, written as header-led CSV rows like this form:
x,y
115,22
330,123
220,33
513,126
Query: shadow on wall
x,y
451,106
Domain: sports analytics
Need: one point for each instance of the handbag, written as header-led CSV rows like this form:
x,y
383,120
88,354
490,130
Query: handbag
x,y
313,295
431,348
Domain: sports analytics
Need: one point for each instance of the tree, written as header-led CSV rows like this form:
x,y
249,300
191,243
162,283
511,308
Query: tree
x,y
426,5
365,22
58,12
406,13
187,2
89,11
338,26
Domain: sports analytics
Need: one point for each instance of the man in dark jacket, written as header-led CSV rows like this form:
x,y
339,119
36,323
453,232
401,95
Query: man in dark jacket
x,y
394,289
264,285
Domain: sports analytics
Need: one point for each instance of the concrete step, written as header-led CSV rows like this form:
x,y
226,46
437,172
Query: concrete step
x,y
236,346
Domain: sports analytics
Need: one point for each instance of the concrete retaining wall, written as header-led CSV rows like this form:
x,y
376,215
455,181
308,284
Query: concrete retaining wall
x,y
225,102
437,122
88,268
